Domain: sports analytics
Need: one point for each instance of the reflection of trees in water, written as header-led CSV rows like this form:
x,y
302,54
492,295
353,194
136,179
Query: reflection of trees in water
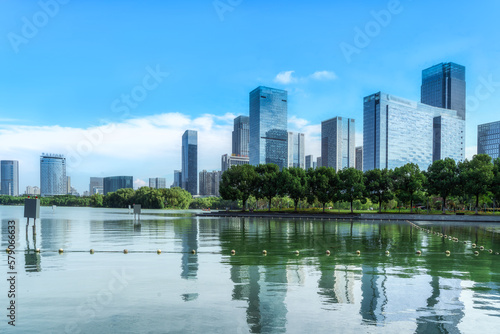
x,y
383,291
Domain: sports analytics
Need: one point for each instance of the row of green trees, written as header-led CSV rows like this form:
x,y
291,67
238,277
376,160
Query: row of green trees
x,y
173,198
444,178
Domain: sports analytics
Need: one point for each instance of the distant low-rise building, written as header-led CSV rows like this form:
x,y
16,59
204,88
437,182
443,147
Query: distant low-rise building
x,y
227,161
96,185
113,183
33,191
157,183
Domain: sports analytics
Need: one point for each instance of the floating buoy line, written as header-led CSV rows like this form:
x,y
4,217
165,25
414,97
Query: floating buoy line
x,y
265,252
447,237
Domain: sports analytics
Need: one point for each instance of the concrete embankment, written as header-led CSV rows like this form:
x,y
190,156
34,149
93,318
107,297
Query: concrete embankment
x,y
356,216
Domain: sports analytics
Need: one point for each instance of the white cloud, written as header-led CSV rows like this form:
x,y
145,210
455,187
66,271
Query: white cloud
x,y
323,75
312,134
142,147
285,77
296,122
140,183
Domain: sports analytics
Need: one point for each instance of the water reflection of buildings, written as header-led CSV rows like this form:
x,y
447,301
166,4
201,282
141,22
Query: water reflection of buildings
x,y
264,288
186,230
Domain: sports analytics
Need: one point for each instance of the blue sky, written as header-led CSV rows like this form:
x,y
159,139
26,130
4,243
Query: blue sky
x,y
68,67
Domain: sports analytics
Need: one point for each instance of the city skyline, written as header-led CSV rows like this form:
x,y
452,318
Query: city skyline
x,y
67,79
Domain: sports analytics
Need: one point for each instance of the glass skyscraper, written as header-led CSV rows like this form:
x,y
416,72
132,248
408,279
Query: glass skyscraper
x,y
189,172
53,180
488,139
309,161
113,183
241,136
338,142
9,171
443,86
397,131
268,127
296,153
177,179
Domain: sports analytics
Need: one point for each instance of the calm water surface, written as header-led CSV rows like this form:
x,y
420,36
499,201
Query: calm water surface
x,y
213,291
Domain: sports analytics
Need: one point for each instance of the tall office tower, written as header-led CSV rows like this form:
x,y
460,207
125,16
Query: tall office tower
x,y
397,131
96,185
157,183
268,127
177,179
296,154
309,161
190,161
319,162
488,139
241,136
68,185
338,143
228,161
9,170
359,158
443,86
113,183
53,175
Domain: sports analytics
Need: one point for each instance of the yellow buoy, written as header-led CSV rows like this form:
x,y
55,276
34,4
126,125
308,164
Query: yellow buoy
x,y
327,252
473,245
476,253
481,248
37,250
297,252
387,252
61,250
490,251
233,252
264,252
358,252
447,252
7,250
91,251
418,252
125,251
158,251
193,251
